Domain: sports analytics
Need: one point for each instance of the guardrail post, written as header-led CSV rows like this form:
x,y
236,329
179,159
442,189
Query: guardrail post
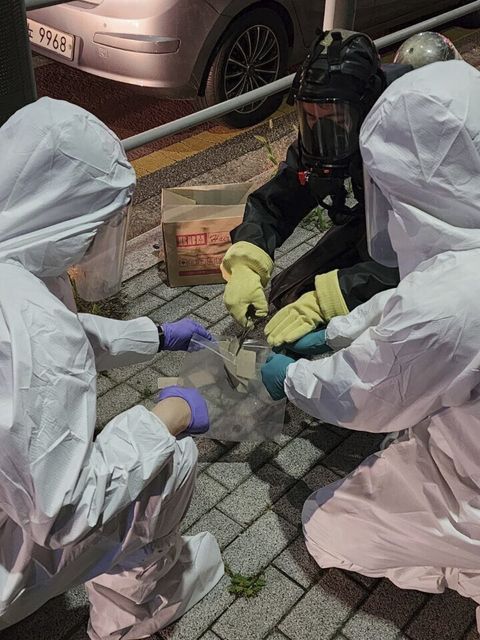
x,y
17,81
339,14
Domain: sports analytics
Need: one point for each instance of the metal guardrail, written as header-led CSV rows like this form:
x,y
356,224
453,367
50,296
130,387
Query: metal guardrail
x,y
281,85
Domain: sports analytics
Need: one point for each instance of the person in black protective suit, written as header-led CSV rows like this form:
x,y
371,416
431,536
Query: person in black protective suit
x,y
335,88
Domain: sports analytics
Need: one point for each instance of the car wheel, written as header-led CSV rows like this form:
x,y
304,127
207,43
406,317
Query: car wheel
x,y
252,53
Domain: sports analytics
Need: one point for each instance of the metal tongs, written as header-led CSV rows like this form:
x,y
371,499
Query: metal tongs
x,y
250,314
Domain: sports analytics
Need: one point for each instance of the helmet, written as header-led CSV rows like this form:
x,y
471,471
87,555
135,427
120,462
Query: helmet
x,y
333,91
425,48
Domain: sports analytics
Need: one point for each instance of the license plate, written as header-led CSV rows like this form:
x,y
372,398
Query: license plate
x,y
59,42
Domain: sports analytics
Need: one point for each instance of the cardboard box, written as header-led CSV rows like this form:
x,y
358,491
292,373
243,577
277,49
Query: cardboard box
x,y
196,225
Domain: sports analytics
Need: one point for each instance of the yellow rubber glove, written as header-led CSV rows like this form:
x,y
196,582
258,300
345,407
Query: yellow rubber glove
x,y
247,270
312,309
295,320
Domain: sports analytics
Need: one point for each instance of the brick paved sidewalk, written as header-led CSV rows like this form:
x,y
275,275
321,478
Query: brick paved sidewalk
x,y
250,496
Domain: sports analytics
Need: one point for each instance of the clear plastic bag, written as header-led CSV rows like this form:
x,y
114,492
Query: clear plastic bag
x,y
240,408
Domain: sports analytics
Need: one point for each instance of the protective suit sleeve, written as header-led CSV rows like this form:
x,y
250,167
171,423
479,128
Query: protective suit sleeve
x,y
71,494
117,343
360,283
343,330
274,210
393,375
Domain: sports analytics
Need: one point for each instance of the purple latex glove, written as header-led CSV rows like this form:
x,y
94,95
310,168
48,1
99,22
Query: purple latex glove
x,y
178,334
200,422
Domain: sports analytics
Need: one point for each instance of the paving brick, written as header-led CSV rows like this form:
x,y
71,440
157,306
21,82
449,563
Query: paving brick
x,y
208,291
326,606
81,634
121,374
197,621
53,620
292,256
145,382
298,564
169,363
255,495
214,310
264,540
104,384
291,504
447,616
294,424
209,450
302,453
142,306
319,476
115,401
276,635
168,293
148,403
202,467
299,237
241,461
207,493
210,636
226,327
143,282
251,619
223,528
364,581
341,431
178,308
384,613
352,451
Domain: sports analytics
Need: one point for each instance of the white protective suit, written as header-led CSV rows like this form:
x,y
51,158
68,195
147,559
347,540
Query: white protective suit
x,y
412,512
74,509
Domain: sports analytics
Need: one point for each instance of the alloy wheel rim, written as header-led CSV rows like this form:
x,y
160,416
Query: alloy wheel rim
x,y
253,62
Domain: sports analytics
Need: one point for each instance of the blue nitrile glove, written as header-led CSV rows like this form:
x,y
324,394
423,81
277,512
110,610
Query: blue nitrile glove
x,y
199,422
312,344
274,372
177,335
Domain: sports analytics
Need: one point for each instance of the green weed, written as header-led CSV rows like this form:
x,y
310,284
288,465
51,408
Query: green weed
x,y
113,307
244,586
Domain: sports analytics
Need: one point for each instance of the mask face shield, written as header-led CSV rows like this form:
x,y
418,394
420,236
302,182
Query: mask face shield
x,y
99,274
377,213
328,130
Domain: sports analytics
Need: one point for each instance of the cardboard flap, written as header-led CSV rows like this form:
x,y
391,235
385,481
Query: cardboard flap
x,y
219,194
170,197
197,213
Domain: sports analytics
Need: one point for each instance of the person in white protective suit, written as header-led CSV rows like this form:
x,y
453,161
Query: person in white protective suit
x,y
74,509
409,360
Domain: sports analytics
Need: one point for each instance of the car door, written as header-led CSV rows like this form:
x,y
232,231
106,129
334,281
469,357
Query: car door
x,y
393,13
311,14
310,17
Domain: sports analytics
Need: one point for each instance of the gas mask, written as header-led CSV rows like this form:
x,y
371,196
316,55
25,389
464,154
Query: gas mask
x,y
332,92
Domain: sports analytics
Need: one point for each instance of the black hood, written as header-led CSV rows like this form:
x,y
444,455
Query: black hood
x,y
341,65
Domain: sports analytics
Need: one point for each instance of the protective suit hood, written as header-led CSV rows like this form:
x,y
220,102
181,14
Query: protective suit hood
x,y
421,146
64,174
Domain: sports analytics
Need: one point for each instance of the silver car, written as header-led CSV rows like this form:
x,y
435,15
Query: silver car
x,y
205,49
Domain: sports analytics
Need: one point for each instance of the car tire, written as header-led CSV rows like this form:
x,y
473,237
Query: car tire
x,y
259,39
